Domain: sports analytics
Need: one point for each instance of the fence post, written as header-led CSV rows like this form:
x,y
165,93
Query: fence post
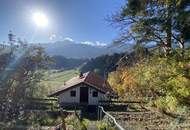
x,y
63,119
98,113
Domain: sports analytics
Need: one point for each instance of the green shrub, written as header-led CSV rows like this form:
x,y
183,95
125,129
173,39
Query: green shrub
x,y
84,124
102,126
73,122
46,121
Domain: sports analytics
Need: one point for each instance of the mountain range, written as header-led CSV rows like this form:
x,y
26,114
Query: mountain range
x,y
72,49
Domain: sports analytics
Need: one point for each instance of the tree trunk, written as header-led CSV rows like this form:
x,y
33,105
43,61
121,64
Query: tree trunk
x,y
169,35
168,46
182,46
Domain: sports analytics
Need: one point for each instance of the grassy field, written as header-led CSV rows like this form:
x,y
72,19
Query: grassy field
x,y
54,79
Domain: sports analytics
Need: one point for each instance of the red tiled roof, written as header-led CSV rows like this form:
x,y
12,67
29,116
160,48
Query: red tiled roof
x,y
88,78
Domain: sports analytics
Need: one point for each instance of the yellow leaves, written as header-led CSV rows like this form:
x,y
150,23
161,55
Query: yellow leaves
x,y
178,2
122,81
183,92
181,64
169,103
169,2
127,78
115,81
161,78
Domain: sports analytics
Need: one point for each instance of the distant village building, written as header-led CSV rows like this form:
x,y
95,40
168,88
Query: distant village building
x,y
85,89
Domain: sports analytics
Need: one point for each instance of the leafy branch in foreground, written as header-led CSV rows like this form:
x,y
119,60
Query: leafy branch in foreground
x,y
23,72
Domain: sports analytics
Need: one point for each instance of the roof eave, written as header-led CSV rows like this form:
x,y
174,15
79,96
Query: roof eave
x,y
96,87
62,90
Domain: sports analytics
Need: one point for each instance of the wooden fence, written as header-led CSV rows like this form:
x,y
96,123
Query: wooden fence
x,y
101,111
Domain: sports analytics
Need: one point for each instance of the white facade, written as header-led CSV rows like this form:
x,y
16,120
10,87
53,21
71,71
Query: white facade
x,y
66,98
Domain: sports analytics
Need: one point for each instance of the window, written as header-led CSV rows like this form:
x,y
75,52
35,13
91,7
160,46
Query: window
x,y
73,93
95,94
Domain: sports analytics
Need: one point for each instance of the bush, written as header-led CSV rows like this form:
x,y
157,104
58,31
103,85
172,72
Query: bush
x,y
46,121
73,122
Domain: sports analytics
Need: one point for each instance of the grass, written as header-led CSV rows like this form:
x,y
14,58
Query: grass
x,y
54,79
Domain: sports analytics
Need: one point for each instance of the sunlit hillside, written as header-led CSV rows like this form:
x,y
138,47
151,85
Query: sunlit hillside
x,y
54,79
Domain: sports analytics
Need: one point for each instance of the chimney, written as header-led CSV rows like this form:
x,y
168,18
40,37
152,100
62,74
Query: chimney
x,y
81,75
64,83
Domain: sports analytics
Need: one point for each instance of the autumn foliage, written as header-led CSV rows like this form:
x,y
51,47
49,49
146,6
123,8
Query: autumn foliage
x,y
162,81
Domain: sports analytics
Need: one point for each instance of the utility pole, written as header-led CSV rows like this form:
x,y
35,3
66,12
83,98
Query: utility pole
x,y
11,38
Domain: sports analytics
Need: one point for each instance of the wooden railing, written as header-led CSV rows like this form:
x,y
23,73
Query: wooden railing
x,y
117,101
101,111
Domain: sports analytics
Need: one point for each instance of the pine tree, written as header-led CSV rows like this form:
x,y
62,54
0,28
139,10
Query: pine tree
x,y
160,22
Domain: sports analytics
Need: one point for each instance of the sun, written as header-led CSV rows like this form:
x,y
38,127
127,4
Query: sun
x,y
40,19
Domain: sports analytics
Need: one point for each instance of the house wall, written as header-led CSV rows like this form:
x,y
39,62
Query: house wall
x,y
94,100
65,97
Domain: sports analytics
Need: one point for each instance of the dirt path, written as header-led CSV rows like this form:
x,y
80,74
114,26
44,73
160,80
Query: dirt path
x,y
92,125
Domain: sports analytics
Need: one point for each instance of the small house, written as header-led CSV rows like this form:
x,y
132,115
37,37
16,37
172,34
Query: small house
x,y
85,89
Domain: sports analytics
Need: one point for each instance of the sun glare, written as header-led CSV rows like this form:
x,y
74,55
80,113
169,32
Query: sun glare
x,y
40,19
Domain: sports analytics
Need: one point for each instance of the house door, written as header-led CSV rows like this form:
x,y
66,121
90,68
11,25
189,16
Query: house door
x,y
83,94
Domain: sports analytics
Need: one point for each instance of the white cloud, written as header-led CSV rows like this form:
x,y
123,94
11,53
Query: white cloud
x,y
52,37
97,43
88,43
60,38
68,39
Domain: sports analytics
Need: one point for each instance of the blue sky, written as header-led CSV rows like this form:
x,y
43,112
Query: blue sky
x,y
81,20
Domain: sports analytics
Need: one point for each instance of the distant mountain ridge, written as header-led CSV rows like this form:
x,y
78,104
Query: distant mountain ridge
x,y
71,49
60,62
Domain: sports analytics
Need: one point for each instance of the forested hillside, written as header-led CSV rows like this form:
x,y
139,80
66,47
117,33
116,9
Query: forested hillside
x,y
102,64
105,64
61,62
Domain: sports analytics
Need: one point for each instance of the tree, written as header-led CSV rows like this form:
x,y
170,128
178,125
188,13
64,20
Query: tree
x,y
22,73
161,22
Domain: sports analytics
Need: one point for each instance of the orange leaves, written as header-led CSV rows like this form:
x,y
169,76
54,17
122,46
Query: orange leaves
x,y
123,81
